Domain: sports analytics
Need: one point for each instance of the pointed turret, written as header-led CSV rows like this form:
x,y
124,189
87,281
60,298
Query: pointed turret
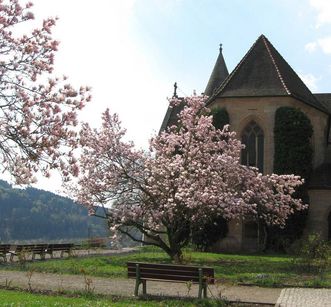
x,y
220,72
264,72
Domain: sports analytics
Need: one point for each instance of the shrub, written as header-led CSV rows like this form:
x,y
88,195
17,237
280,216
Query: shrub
x,y
312,254
293,155
210,233
220,117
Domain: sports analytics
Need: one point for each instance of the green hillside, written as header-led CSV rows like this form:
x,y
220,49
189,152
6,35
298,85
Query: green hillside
x,y
38,215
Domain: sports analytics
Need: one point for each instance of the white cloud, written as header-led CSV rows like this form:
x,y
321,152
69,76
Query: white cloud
x,y
310,80
325,44
311,47
323,8
322,43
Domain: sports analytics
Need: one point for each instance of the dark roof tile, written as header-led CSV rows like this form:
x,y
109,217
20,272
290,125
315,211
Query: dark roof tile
x,y
264,72
325,99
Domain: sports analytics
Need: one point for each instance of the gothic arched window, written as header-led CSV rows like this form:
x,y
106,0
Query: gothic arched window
x,y
253,139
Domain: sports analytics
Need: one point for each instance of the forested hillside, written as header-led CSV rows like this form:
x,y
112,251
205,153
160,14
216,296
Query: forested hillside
x,y
33,214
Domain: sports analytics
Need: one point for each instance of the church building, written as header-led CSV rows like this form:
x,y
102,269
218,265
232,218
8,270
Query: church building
x,y
251,94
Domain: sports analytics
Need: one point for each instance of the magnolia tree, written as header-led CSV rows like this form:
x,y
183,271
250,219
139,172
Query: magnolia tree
x,y
37,111
190,175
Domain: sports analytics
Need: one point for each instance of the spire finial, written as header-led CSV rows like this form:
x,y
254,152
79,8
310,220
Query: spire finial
x,y
221,47
175,90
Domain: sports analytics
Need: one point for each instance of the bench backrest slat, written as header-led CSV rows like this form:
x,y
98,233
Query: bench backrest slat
x,y
170,272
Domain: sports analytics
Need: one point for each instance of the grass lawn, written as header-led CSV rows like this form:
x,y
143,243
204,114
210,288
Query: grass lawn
x,y
262,270
19,298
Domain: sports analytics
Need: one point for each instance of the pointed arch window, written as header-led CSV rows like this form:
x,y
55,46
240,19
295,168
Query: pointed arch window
x,y
253,138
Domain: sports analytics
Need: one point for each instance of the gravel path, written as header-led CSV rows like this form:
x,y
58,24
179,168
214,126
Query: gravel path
x,y
125,287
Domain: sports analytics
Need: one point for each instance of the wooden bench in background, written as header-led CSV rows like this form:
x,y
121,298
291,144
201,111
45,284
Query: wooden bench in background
x,y
60,247
4,250
23,250
170,273
20,251
39,249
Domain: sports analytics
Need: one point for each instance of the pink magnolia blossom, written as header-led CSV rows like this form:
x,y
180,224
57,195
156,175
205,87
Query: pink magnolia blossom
x,y
37,117
191,174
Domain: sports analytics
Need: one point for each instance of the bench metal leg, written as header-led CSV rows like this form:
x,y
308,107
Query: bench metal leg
x,y
202,286
205,290
144,287
138,282
136,289
202,291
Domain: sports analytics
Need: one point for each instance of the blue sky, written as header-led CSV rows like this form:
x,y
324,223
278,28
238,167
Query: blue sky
x,y
182,37
132,51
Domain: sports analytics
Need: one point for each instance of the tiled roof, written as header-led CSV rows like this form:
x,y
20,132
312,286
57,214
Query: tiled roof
x,y
264,72
325,99
219,74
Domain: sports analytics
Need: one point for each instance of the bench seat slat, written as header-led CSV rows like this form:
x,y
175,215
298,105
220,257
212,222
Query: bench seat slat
x,y
167,277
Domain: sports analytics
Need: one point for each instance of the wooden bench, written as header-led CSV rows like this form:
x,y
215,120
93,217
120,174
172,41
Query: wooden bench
x,y
21,251
170,273
39,249
4,250
60,247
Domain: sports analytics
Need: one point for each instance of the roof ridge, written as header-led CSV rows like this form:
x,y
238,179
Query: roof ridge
x,y
293,94
265,41
227,80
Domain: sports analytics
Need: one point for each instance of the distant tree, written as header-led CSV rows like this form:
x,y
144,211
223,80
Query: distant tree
x,y
37,110
32,214
190,175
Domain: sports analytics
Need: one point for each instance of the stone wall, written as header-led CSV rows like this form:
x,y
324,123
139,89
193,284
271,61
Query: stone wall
x,y
319,210
262,110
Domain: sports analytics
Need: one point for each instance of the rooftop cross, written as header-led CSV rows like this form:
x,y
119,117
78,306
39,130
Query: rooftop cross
x,y
175,90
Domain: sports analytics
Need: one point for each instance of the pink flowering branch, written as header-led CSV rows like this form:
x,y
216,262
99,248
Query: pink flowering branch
x,y
38,112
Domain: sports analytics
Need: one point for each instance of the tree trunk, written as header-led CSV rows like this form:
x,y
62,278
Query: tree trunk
x,y
261,236
176,256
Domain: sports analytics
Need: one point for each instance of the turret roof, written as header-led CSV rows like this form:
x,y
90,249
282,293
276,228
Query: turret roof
x,y
219,74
